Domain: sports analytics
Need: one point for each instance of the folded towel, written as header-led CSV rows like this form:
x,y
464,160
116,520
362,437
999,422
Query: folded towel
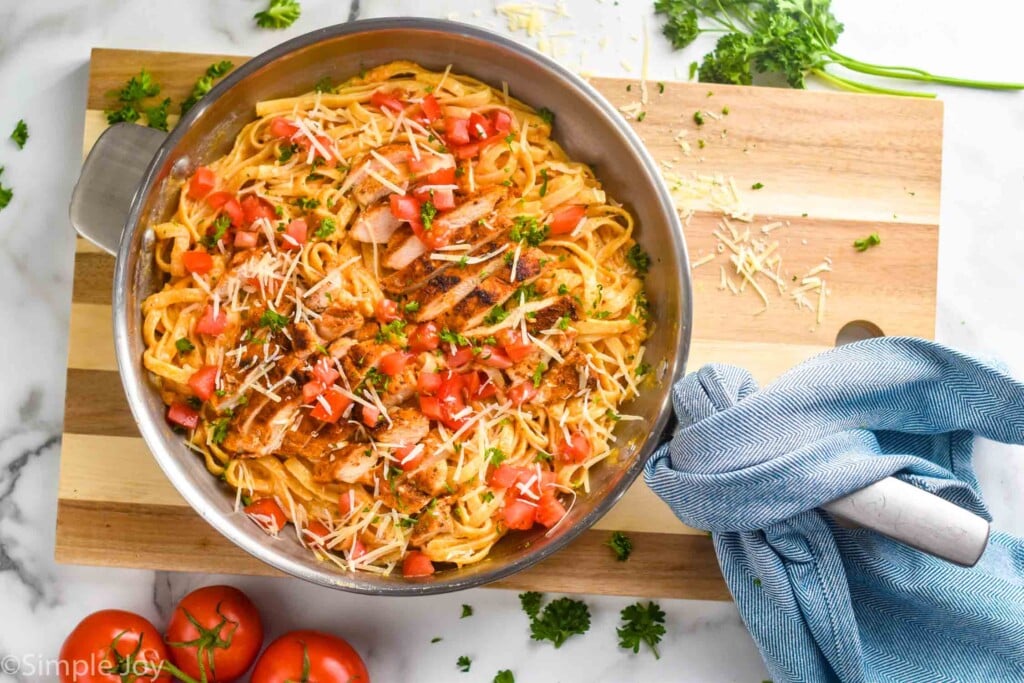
x,y
826,603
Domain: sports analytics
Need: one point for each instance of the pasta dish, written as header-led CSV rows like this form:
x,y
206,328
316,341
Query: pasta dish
x,y
397,320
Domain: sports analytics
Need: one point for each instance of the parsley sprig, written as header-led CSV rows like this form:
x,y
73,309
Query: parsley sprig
x,y
642,624
279,14
866,243
130,97
621,545
6,193
205,83
20,134
558,621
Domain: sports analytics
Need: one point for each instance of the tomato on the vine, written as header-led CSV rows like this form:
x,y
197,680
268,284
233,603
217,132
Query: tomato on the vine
x,y
215,634
310,657
111,646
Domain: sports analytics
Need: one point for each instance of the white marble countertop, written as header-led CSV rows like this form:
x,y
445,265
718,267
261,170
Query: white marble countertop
x,y
44,51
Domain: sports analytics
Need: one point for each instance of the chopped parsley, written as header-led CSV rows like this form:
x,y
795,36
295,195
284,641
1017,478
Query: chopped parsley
x,y
494,456
436,639
563,323
427,213
612,415
757,186
701,143
639,259
279,14
643,369
377,379
546,115
273,321
20,134
324,85
642,624
544,185
601,315
526,228
307,203
393,330
285,152
558,621
205,83
456,338
411,306
6,193
218,429
527,292
326,228
661,88
641,116
698,118
487,497
509,139
495,315
543,456
463,663
220,228
621,544
467,611
725,111
538,374
563,289
184,345
156,117
405,522
504,676
866,243
130,98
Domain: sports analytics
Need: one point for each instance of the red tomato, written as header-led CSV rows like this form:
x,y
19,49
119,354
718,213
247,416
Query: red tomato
x,y
210,323
218,199
425,337
202,183
486,389
519,515
431,108
198,262
515,346
502,121
283,128
416,564
549,510
461,357
457,131
480,128
466,151
215,631
383,100
386,311
394,363
112,646
294,235
405,207
371,416
446,176
346,501
254,208
357,550
444,200
312,389
316,534
203,382
522,392
184,415
226,202
435,238
409,465
504,476
430,406
268,514
577,449
338,403
246,240
495,358
418,166
310,656
428,382
565,220
325,373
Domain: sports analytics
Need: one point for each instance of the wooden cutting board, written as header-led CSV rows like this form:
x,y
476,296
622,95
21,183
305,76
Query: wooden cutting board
x,y
837,167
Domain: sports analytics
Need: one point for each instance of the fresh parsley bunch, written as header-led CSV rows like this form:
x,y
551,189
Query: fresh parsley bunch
x,y
794,38
558,620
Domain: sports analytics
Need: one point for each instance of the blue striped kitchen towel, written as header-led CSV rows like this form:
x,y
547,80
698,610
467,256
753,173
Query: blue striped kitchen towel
x,y
826,603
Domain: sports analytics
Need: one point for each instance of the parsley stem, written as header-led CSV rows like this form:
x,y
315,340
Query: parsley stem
x,y
856,86
908,74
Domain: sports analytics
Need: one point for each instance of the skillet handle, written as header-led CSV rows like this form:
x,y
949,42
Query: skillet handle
x,y
907,514
108,182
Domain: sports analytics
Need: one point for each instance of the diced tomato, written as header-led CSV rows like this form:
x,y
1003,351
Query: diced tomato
x,y
516,348
328,146
386,311
202,183
549,510
519,515
337,402
203,382
462,356
385,100
312,389
254,208
405,207
234,212
416,564
418,166
487,388
494,357
316,533
357,550
404,452
565,220
283,128
324,372
444,200
424,337
371,416
345,501
428,382
210,323
430,406
184,415
198,262
218,199
246,240
466,151
294,235
267,513
457,131
522,392
478,385
393,363
480,128
504,476
577,449
446,176
502,121
435,238
431,107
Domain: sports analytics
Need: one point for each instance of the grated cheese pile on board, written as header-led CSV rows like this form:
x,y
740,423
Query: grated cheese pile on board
x,y
531,18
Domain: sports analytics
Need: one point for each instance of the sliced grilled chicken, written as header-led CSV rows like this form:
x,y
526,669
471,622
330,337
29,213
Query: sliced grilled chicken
x,y
431,476
361,358
403,248
314,440
408,426
368,190
325,293
432,163
353,464
472,210
259,427
404,497
565,379
401,387
548,318
337,321
375,224
436,520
